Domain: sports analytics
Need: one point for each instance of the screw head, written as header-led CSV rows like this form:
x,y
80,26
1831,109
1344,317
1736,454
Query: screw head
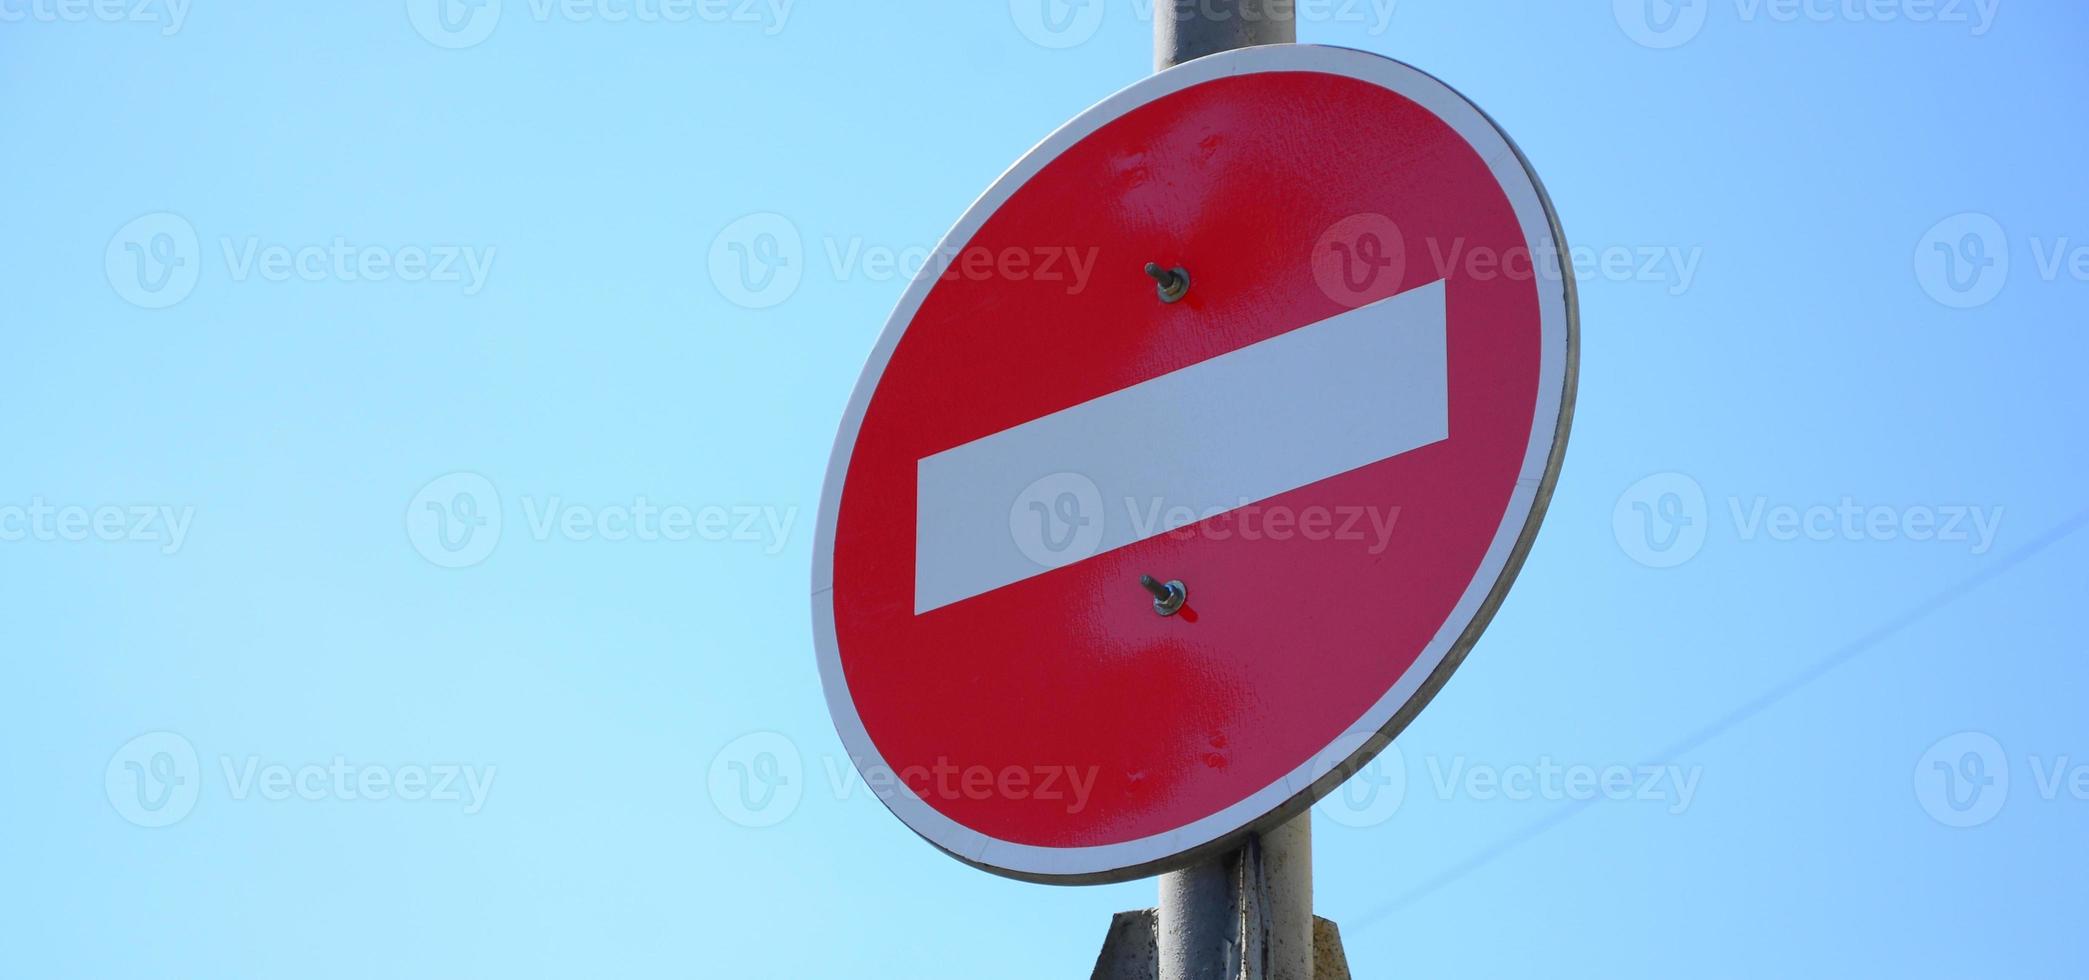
x,y
1170,284
1167,597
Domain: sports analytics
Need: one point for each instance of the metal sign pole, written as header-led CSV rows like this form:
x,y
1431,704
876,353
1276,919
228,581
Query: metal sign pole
x,y
1206,396
1247,915
1186,29
1233,111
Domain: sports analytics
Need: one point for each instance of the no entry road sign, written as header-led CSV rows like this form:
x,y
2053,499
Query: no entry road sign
x,y
1117,566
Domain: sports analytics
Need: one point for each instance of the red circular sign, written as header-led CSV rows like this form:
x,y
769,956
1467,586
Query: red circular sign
x,y
1336,442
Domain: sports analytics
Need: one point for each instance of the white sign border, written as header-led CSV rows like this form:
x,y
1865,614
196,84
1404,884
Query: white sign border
x,y
1300,789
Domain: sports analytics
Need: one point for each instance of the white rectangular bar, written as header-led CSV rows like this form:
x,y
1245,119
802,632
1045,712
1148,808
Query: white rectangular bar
x,y
1239,428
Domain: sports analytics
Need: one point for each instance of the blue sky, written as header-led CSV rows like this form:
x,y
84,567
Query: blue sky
x,y
279,278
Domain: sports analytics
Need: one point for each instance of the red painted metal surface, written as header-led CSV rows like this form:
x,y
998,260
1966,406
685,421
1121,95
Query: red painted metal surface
x,y
1265,187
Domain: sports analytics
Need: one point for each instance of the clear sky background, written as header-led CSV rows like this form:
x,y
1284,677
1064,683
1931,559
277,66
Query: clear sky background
x,y
275,278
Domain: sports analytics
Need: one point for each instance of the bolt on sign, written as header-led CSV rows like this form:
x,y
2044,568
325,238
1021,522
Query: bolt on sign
x,y
1107,579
